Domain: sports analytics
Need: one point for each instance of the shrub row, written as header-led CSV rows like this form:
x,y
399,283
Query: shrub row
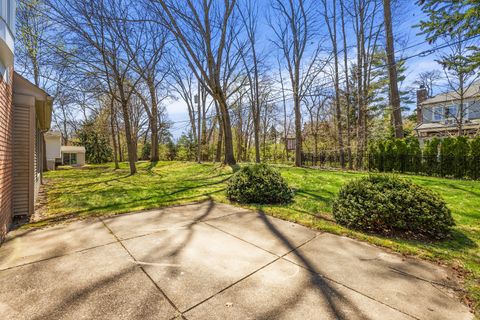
x,y
457,157
383,204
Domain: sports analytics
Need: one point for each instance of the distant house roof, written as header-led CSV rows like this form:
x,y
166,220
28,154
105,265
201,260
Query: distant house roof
x,y
72,149
472,91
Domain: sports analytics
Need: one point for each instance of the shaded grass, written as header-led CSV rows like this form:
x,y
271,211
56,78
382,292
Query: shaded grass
x,y
99,190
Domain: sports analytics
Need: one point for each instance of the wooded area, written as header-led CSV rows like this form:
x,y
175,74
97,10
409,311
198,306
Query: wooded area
x,y
326,75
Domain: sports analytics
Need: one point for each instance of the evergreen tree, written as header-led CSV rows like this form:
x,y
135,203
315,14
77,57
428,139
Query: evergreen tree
x,y
450,18
97,147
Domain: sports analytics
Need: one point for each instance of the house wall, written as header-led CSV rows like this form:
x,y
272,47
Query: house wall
x,y
473,111
23,154
427,114
81,159
53,144
6,155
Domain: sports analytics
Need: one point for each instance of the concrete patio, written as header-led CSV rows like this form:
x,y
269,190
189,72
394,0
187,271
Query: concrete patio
x,y
213,261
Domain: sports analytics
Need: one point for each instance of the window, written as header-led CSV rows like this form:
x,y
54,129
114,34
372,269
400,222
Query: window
x,y
11,15
7,13
69,159
438,114
451,111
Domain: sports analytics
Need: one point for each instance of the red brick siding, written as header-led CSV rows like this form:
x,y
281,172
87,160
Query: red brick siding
x,y
6,162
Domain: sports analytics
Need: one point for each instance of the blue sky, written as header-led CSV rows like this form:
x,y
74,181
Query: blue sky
x,y
406,15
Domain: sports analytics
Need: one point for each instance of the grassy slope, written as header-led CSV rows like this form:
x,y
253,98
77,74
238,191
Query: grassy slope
x,y
98,190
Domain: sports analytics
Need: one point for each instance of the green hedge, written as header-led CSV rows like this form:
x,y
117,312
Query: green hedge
x,y
390,205
455,157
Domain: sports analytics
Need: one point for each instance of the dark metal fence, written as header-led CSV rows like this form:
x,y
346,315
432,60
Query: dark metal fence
x,y
458,166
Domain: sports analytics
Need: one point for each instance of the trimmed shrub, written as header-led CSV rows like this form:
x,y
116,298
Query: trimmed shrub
x,y
430,155
389,205
474,165
258,183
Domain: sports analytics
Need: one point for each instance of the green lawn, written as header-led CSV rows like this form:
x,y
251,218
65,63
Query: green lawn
x,y
98,190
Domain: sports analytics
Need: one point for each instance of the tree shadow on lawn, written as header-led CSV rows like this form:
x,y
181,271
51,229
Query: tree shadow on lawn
x,y
456,187
147,203
309,194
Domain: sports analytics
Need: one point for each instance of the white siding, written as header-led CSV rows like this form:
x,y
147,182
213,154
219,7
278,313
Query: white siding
x,y
53,144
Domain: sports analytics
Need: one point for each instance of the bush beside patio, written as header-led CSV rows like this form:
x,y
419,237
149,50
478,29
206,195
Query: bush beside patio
x,y
387,204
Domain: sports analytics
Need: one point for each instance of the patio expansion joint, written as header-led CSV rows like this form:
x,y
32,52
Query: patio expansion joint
x,y
263,249
144,271
179,226
282,257
350,288
277,258
59,256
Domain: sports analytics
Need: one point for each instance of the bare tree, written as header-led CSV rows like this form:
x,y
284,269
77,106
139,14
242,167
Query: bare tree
x,y
145,42
331,22
367,30
286,123
428,80
205,33
346,67
249,18
93,25
315,103
294,28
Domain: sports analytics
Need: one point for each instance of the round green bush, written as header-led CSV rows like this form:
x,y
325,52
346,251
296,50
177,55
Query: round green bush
x,y
389,205
258,183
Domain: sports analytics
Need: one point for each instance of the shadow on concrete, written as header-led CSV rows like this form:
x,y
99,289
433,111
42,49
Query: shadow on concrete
x,y
336,302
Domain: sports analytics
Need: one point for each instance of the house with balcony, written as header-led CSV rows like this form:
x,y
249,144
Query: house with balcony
x,y
448,114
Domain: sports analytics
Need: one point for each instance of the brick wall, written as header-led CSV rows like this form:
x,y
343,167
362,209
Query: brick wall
x,y
6,163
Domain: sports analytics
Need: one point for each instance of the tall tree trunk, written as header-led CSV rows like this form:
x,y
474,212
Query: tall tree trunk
x,y
128,133
227,132
459,117
114,139
218,153
347,87
199,126
154,157
360,91
298,130
285,127
120,153
392,72
332,29
239,130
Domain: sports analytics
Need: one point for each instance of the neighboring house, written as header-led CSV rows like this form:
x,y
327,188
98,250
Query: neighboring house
x,y
73,155
25,114
62,155
53,143
440,116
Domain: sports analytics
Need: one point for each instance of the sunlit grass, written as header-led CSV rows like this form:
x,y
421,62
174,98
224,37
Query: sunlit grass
x,y
100,190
